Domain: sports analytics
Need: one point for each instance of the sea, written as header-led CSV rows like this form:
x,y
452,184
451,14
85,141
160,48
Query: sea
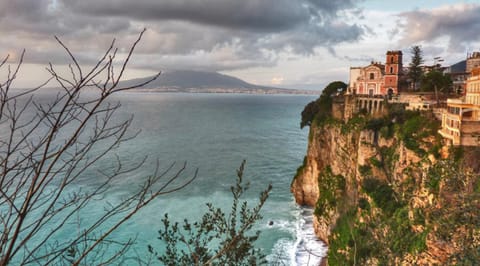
x,y
212,134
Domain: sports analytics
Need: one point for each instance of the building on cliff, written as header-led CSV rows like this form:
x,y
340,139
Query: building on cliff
x,y
345,107
459,75
377,79
461,119
459,72
370,86
473,61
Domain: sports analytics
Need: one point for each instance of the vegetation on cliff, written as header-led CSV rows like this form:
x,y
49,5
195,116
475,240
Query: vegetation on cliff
x,y
320,109
401,198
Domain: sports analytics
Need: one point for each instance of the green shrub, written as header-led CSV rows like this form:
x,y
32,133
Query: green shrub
x,y
331,189
342,240
382,194
434,176
321,109
365,170
375,162
415,127
457,153
402,238
387,131
389,156
354,123
364,204
376,124
351,241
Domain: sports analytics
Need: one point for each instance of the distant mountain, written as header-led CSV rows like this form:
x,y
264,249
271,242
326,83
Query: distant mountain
x,y
200,81
459,67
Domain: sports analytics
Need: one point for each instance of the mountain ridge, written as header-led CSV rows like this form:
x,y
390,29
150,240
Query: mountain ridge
x,y
206,82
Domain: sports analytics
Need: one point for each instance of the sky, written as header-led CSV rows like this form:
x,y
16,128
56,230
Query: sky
x,y
302,44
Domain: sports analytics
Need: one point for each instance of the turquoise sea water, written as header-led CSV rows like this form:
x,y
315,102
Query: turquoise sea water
x,y
214,133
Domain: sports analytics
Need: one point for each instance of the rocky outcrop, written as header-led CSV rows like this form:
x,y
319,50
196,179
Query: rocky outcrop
x,y
349,152
327,147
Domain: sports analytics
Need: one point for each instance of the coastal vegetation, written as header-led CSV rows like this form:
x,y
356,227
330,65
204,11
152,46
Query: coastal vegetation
x,y
191,243
320,109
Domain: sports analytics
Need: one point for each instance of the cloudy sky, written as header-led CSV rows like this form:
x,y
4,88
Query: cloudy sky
x,y
285,43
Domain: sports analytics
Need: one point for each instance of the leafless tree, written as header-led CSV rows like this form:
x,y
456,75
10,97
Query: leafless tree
x,y
45,149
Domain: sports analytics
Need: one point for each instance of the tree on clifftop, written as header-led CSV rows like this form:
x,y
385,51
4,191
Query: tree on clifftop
x,y
415,72
322,107
436,81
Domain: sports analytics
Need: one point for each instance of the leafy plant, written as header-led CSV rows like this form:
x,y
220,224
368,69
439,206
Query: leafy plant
x,y
382,194
365,170
233,244
320,109
331,190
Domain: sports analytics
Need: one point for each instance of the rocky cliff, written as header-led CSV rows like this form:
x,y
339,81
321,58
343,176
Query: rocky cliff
x,y
382,188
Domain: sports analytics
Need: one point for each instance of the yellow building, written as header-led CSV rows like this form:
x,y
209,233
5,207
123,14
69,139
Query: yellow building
x,y
461,119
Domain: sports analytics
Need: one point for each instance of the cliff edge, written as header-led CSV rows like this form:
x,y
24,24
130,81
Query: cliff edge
x,y
386,191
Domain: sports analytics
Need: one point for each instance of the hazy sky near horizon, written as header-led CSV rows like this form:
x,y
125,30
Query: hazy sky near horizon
x,y
284,43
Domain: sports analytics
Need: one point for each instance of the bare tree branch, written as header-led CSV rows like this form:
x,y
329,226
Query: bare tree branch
x,y
46,150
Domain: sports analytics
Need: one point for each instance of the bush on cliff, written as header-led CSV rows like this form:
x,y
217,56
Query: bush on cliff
x,y
331,190
382,194
321,108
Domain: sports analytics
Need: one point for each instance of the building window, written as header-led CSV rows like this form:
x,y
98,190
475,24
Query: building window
x,y
391,59
391,69
372,76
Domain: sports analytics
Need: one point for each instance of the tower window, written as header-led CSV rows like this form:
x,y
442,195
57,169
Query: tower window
x,y
391,60
391,69
372,76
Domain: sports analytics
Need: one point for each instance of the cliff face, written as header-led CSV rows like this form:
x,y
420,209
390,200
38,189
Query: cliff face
x,y
343,151
380,190
328,147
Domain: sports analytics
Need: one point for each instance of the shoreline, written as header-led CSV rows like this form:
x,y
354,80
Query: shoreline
x,y
194,90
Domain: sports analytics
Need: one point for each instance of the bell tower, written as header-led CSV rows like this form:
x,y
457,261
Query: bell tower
x,y
393,70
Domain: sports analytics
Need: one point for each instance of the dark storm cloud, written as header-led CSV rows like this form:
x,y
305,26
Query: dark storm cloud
x,y
30,16
254,15
261,15
251,31
311,22
461,23
47,17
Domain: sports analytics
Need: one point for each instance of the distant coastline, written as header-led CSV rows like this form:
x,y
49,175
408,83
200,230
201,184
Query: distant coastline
x,y
205,82
227,90
188,81
258,91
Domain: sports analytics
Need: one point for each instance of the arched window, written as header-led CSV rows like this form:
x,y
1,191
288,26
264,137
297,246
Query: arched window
x,y
391,59
372,76
391,69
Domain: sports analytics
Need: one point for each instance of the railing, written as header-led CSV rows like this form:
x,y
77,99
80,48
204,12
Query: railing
x,y
378,96
455,101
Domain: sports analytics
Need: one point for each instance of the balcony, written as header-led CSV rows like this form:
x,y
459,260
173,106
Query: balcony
x,y
455,101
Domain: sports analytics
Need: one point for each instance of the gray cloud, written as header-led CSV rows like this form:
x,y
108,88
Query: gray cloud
x,y
251,32
252,15
260,15
459,22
